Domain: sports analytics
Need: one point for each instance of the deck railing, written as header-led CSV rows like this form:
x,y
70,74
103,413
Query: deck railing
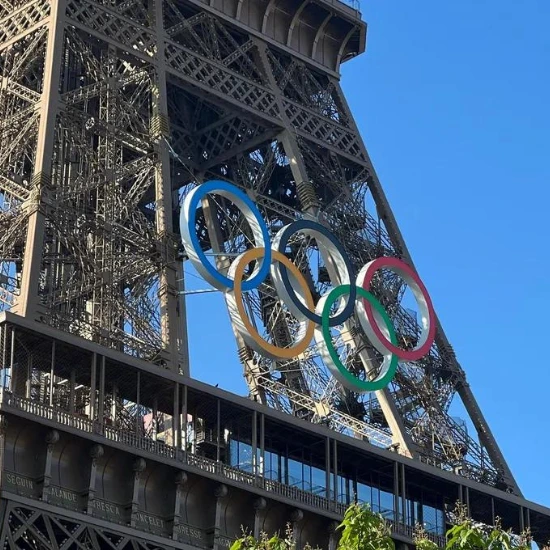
x,y
204,464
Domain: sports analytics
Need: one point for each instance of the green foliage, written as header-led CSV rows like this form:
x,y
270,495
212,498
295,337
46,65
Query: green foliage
x,y
265,542
421,540
363,529
469,535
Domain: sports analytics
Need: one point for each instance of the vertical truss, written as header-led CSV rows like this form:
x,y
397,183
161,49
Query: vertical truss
x,y
106,263
138,100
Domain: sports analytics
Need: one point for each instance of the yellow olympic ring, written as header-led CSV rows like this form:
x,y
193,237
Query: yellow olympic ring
x,y
283,353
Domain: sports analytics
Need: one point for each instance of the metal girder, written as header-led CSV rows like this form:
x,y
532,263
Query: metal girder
x,y
17,23
25,526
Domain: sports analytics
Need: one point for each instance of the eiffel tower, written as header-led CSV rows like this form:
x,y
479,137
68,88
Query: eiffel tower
x,y
111,112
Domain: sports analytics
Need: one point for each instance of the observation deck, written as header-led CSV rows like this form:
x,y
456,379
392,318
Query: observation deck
x,y
182,464
322,32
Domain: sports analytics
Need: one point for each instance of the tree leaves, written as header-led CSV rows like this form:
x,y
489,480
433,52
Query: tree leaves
x,y
275,542
362,529
365,530
470,535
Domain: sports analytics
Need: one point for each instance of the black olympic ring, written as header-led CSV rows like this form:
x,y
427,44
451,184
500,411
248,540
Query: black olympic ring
x,y
301,225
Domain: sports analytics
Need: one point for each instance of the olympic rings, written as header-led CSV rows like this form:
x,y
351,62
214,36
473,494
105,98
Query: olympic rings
x,y
250,334
294,292
323,339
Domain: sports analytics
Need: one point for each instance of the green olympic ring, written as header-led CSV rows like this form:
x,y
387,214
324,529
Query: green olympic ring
x,y
361,385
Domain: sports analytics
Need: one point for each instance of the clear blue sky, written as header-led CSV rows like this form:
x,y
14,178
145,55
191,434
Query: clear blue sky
x,y
452,99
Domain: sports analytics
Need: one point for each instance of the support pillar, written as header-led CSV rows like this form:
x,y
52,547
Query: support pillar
x,y
181,480
95,453
310,205
222,264
262,444
72,392
12,360
51,439
28,301
154,422
221,493
255,443
398,516
403,493
138,467
28,381
101,415
260,504
521,519
176,417
138,401
182,438
327,466
93,390
333,535
3,430
335,472
218,428
172,308
114,406
296,519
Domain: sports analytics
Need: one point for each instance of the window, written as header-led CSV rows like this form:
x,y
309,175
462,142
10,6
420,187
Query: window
x,y
433,520
364,493
240,455
295,478
387,505
318,482
271,466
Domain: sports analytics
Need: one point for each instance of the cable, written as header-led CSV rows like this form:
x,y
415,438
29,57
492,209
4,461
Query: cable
x,y
178,158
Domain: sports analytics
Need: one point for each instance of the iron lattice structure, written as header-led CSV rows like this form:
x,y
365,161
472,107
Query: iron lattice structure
x,y
27,527
111,110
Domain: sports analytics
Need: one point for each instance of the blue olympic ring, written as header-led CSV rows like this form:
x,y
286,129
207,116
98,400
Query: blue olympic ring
x,y
221,187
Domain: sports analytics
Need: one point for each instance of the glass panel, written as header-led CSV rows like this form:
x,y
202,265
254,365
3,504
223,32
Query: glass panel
x,y
440,515
306,476
375,500
386,505
411,517
434,521
233,453
245,457
295,473
364,493
342,490
318,482
283,469
271,466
